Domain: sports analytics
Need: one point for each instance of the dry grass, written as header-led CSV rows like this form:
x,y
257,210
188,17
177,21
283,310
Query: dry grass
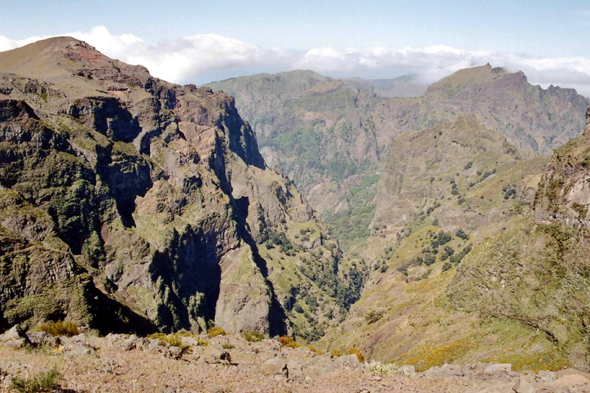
x,y
288,342
253,336
60,328
316,350
216,331
44,382
379,368
358,353
172,339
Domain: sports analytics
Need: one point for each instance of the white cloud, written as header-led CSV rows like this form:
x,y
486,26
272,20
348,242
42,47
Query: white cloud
x,y
183,60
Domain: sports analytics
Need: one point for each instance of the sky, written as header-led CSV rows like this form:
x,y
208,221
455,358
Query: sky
x,y
201,41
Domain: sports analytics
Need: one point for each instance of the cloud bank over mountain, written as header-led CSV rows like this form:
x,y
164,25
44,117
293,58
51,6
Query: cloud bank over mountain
x,y
204,57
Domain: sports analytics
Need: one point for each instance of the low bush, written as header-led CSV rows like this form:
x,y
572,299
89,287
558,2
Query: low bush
x,y
373,316
228,346
60,328
172,339
44,382
288,342
359,354
216,331
316,350
379,368
253,336
336,353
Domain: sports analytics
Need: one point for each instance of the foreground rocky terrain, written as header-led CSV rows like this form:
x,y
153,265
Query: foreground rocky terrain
x,y
116,363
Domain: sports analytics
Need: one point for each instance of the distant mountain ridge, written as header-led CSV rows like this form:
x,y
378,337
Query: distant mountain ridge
x,y
402,86
329,135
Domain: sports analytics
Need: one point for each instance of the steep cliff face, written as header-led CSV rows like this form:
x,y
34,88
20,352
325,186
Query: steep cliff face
x,y
152,195
565,195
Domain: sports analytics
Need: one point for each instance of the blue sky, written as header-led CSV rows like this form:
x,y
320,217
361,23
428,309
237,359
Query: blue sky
x,y
365,38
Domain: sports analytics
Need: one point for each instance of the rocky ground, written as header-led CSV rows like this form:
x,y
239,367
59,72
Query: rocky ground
x,y
123,363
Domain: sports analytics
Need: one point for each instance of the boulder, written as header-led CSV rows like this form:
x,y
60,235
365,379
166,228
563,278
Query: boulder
x,y
347,361
523,386
15,337
407,370
276,366
572,381
295,370
445,371
545,377
175,352
497,368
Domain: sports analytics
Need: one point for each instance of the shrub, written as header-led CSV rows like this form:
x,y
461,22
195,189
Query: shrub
x,y
293,344
379,368
429,259
253,336
202,343
359,354
172,339
462,234
228,346
285,340
316,350
336,353
44,382
468,165
59,328
216,331
373,316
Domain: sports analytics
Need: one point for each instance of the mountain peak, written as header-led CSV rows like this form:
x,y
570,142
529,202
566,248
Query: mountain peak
x,y
74,66
469,76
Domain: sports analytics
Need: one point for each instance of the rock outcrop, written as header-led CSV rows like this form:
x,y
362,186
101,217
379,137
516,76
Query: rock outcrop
x,y
128,202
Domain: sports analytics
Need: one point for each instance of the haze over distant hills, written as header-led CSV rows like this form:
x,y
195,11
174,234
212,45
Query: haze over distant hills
x,y
402,86
329,135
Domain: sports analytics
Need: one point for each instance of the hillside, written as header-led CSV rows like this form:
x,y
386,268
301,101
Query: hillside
x,y
442,192
329,135
484,254
131,204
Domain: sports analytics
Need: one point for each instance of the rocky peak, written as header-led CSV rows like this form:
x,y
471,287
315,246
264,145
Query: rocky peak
x,y
564,195
152,198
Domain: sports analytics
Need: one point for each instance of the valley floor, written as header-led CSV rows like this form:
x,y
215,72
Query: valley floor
x,y
122,363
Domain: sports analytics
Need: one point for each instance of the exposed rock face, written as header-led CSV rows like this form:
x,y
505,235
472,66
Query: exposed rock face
x,y
123,192
565,196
